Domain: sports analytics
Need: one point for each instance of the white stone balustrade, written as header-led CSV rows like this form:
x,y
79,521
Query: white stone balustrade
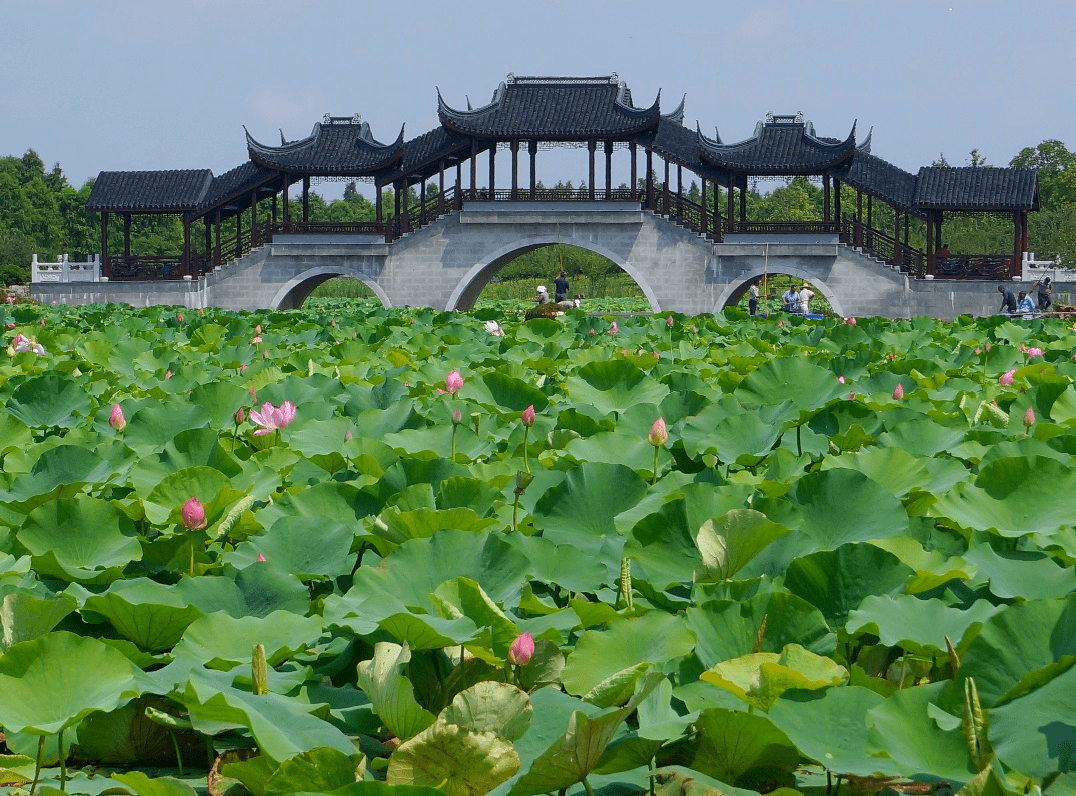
x,y
66,270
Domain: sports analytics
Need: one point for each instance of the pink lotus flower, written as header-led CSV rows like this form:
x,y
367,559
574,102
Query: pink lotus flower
x,y
851,396
591,332
1023,348
494,329
348,436
528,416
978,351
657,355
522,650
258,329
457,417
167,375
840,379
659,434
1034,352
898,392
1029,417
851,321
193,513
265,354
22,343
256,339
614,328
179,317
261,558
116,418
987,346
272,418
240,416
669,322
242,368
12,326
42,322
1006,378
453,382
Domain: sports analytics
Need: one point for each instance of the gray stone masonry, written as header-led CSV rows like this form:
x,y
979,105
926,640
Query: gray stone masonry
x,y
446,264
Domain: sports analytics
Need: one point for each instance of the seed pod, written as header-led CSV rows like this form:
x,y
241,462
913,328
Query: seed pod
x,y
625,581
232,517
259,671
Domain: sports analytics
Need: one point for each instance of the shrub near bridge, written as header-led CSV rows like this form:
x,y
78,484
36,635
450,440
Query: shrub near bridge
x,y
285,537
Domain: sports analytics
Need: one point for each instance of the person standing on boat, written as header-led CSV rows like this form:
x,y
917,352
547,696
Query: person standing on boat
x,y
1008,300
806,294
791,300
561,286
752,297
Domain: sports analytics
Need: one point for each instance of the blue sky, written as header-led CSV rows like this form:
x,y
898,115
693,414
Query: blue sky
x,y
120,85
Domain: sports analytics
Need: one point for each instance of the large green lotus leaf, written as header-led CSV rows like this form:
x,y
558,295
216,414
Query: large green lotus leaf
x,y
899,472
417,567
221,641
1012,496
329,500
904,729
614,386
742,749
51,399
282,727
212,488
830,726
323,769
423,631
82,539
573,755
1019,574
504,392
464,597
837,581
196,447
456,760
437,439
655,637
618,447
67,466
1036,734
922,437
150,614
727,543
141,785
744,438
662,547
555,565
156,424
391,693
422,523
796,379
219,400
13,434
580,510
1037,636
499,708
759,678
55,681
26,614
307,547
914,623
727,629
837,507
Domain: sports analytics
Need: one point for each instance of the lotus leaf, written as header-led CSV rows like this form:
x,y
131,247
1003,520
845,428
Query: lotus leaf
x,y
1036,734
391,693
458,761
222,641
306,547
759,678
50,399
81,539
44,687
26,614
150,614
806,384
742,749
614,386
727,543
1020,574
324,769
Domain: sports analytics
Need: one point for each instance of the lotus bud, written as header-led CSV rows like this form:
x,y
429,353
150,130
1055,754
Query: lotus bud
x,y
659,434
987,346
179,317
116,418
348,436
259,671
457,417
978,351
261,558
522,650
167,375
476,420
258,329
453,382
898,392
193,513
242,368
240,416
265,353
591,332
1034,352
1006,378
851,321
614,328
42,323
528,416
694,329
1029,417
256,339
851,396
840,379
669,322
12,326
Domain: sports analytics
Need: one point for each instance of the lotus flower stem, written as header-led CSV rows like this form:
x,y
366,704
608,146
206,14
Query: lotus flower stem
x,y
655,479
179,757
526,463
63,759
37,766
586,785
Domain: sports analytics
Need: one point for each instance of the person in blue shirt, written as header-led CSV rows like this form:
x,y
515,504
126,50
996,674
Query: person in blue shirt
x,y
791,300
1025,304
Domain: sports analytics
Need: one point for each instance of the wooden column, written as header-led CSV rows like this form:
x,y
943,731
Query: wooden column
x,y
306,199
126,234
703,216
743,201
729,210
679,192
869,241
441,188
898,255
216,242
238,234
930,242
106,266
608,170
287,209
532,150
1018,237
837,203
379,204
459,185
422,203
492,171
515,169
274,209
592,146
208,234
665,190
649,178
253,220
634,172
825,198
188,263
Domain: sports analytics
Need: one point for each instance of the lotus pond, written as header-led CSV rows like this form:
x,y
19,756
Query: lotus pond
x,y
351,550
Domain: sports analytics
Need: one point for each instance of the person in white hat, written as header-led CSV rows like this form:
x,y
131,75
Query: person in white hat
x,y
543,294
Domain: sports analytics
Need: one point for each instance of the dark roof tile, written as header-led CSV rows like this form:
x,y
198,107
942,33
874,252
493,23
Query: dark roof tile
x,y
971,188
337,146
782,145
149,191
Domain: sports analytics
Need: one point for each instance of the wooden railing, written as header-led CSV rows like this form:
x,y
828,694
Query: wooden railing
x,y
785,227
128,267
974,266
883,246
687,213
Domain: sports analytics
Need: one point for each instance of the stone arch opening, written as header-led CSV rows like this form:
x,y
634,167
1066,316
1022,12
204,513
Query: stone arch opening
x,y
470,286
735,290
296,290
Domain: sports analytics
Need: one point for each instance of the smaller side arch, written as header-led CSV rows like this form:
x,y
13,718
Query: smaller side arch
x,y
495,259
315,276
735,288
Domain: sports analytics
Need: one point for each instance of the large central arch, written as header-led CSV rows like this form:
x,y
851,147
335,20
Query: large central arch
x,y
477,277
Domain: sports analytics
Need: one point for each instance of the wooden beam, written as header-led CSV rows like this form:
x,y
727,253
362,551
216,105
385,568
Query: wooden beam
x,y
492,171
608,169
634,172
649,178
106,266
532,149
126,234
592,146
515,169
306,199
703,217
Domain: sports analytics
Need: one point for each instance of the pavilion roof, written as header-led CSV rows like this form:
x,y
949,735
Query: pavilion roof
x,y
338,145
240,180
781,145
176,191
680,145
972,188
423,155
553,109
877,177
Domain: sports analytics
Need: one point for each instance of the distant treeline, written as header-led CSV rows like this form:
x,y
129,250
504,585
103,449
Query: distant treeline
x,y
40,213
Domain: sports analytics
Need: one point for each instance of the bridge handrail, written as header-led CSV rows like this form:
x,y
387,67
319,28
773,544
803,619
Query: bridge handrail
x,y
688,213
66,270
884,246
974,266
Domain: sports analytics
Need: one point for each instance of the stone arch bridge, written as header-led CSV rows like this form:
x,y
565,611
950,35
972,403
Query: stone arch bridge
x,y
446,264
